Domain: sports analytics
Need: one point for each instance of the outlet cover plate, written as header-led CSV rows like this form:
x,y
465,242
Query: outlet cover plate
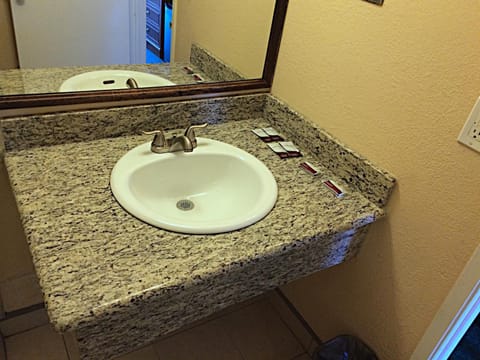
x,y
470,134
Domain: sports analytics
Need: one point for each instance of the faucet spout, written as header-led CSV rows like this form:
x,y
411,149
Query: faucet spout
x,y
190,133
132,83
162,145
181,143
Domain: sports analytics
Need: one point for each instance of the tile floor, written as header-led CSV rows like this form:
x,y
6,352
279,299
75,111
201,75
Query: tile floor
x,y
20,292
261,329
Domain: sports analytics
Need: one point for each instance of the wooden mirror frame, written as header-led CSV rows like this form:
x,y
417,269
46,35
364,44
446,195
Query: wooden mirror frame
x,y
164,94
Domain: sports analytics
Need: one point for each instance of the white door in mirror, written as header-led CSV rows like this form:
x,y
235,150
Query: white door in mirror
x,y
112,80
216,188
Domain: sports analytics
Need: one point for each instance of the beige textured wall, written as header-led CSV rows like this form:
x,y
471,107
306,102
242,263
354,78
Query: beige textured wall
x,y
396,83
8,55
234,31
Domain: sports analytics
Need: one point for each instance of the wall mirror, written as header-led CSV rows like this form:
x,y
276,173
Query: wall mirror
x,y
121,50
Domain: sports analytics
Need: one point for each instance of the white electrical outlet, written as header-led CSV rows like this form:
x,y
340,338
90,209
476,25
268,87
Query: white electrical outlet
x,y
470,134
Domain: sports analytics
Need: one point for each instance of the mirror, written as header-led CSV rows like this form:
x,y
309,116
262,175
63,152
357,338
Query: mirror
x,y
214,47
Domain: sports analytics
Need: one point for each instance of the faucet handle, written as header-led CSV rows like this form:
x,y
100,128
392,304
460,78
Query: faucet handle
x,y
158,139
190,132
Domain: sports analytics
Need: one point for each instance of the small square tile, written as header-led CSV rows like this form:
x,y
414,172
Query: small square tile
x,y
42,343
24,322
71,345
216,315
2,311
302,357
204,342
290,319
146,353
21,292
3,352
314,345
259,333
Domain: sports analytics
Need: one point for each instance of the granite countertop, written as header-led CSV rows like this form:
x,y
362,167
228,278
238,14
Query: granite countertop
x,y
91,256
48,80
117,283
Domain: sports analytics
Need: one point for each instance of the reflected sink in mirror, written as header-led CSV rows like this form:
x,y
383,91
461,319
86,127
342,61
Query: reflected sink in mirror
x,y
112,80
216,188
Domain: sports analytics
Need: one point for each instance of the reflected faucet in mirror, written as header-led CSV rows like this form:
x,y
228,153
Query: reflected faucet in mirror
x,y
132,83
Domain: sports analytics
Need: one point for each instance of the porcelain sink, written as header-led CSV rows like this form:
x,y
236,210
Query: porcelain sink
x,y
111,80
216,188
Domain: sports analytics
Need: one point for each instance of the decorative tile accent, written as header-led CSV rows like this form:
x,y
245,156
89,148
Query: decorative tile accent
x,y
359,173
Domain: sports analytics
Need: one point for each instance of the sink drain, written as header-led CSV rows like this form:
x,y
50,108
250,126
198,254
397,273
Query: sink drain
x,y
185,205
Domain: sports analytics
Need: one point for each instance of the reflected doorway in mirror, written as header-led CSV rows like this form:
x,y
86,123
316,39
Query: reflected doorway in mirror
x,y
158,30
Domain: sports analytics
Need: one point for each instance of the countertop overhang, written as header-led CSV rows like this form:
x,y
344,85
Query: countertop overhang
x,y
105,272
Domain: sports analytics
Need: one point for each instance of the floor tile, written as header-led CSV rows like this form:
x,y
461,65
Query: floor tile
x,y
24,322
41,343
71,345
302,357
3,354
290,319
252,331
204,342
259,333
220,313
21,292
146,353
313,347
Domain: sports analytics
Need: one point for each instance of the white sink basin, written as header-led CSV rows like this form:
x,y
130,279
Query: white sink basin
x,y
216,188
111,80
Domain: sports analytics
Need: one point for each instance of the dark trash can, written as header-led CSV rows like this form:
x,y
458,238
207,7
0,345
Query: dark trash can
x,y
344,347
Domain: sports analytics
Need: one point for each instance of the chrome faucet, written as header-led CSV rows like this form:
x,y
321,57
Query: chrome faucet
x,y
190,133
180,143
132,83
158,144
185,143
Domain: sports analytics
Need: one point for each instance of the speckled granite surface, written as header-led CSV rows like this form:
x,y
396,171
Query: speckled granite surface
x,y
119,283
375,183
212,67
53,129
48,80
